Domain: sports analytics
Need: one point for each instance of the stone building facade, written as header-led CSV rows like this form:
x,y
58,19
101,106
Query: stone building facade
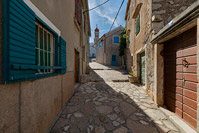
x,y
31,96
107,49
145,19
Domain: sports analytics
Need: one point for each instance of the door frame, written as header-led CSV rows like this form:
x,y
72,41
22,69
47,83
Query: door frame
x,y
140,65
138,54
159,73
76,66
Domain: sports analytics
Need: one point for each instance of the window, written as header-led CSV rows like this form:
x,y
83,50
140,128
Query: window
x,y
100,44
44,48
78,14
137,25
128,40
33,49
116,39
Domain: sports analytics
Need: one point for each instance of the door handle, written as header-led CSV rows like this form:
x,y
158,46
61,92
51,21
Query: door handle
x,y
185,63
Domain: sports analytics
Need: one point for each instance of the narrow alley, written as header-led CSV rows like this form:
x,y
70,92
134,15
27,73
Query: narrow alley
x,y
99,66
108,103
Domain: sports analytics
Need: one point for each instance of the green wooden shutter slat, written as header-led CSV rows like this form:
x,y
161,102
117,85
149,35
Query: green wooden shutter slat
x,y
137,24
63,55
22,9
20,40
19,22
23,50
19,27
22,34
21,55
18,60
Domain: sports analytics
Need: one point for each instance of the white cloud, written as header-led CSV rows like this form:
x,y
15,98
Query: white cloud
x,y
104,11
104,15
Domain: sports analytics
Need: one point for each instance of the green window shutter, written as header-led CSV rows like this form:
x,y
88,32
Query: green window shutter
x,y
63,55
137,24
19,40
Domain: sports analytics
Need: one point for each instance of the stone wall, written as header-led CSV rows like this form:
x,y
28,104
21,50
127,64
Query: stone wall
x,y
141,42
165,10
154,15
149,68
128,60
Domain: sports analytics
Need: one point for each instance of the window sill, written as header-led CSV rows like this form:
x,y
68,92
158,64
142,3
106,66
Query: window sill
x,y
15,79
30,67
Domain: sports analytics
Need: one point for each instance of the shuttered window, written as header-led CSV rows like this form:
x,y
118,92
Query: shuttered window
x,y
78,14
128,41
116,39
30,46
63,55
137,24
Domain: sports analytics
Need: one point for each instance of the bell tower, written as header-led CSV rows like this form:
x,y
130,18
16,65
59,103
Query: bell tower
x,y
96,35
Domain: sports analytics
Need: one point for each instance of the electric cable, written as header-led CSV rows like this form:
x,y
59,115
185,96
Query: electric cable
x,y
96,6
116,15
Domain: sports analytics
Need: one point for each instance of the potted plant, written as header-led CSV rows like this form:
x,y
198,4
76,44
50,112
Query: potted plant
x,y
132,78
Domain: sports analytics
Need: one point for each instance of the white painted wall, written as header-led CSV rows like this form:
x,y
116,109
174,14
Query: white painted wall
x,y
92,50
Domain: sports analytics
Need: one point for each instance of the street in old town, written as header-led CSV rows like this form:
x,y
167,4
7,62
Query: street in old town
x,y
107,102
99,66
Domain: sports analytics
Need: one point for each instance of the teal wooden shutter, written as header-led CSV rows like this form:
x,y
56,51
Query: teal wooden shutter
x,y
63,55
19,40
137,24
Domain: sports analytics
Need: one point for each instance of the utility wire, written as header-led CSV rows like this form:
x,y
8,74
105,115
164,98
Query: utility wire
x,y
116,15
96,6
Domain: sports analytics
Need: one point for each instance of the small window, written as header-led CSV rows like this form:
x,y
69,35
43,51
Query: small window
x,y
78,14
128,40
137,24
100,44
44,48
116,39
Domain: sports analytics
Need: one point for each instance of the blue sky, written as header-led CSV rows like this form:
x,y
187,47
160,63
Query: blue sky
x,y
103,16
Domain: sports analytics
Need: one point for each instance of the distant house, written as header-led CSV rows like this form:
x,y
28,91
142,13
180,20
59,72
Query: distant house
x,y
107,47
92,50
44,51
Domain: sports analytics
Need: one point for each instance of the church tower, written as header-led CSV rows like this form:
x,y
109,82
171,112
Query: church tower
x,y
96,35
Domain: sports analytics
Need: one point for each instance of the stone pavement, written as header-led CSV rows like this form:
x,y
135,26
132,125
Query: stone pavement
x,y
107,103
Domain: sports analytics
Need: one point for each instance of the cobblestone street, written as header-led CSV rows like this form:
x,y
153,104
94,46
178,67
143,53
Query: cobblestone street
x,y
108,103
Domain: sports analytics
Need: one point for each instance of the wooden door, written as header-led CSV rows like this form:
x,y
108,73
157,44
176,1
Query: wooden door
x,y
180,84
76,66
142,68
114,60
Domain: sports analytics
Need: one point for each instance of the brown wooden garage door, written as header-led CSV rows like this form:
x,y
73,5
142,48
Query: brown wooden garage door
x,y
180,84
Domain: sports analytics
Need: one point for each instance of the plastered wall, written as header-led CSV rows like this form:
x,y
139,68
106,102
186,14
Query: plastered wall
x,y
32,106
